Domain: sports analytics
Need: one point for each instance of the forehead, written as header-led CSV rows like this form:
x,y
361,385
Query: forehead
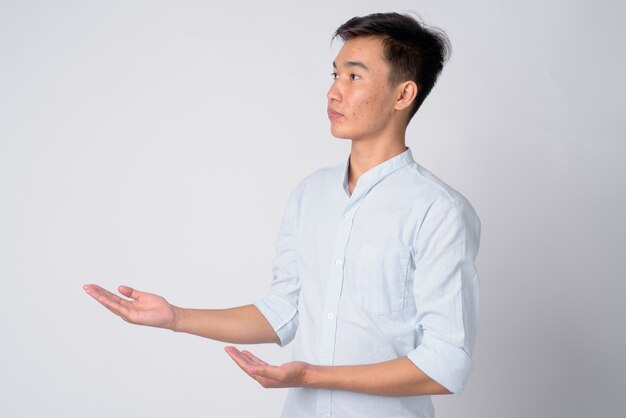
x,y
366,49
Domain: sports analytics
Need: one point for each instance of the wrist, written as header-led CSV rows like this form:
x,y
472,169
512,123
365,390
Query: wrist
x,y
178,315
313,376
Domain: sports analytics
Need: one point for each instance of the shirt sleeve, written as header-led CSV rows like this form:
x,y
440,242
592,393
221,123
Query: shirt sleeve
x,y
446,293
280,306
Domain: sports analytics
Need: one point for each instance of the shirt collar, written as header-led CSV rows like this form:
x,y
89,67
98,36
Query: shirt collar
x,y
375,174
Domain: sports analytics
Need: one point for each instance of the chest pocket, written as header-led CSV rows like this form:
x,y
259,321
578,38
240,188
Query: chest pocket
x,y
381,278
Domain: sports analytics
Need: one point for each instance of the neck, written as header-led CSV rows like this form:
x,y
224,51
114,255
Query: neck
x,y
365,155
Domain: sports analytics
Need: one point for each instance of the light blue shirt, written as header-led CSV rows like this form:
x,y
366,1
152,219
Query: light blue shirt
x,y
385,272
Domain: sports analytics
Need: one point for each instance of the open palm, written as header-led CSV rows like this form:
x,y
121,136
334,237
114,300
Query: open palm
x,y
142,308
292,374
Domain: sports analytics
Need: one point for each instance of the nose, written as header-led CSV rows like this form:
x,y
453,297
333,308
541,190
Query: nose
x,y
334,93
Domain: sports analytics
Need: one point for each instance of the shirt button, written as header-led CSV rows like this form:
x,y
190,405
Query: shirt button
x,y
338,261
331,315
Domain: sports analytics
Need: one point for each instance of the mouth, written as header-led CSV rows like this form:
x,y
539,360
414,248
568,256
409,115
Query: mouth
x,y
333,115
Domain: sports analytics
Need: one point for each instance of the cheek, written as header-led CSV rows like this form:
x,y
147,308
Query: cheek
x,y
364,107
369,110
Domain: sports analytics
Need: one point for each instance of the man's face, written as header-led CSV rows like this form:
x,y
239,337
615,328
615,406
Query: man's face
x,y
361,101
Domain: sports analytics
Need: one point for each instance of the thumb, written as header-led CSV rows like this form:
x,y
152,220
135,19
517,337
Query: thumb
x,y
129,292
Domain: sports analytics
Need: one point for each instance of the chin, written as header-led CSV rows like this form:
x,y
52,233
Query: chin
x,y
338,133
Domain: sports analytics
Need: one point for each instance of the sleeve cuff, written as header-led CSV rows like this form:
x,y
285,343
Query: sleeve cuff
x,y
282,316
448,365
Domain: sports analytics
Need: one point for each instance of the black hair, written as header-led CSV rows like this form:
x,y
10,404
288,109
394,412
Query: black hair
x,y
414,52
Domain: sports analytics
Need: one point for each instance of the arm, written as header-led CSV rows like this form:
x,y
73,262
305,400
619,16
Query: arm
x,y
399,377
242,325
446,292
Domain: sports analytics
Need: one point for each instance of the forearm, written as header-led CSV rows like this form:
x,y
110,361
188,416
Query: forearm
x,y
241,325
399,377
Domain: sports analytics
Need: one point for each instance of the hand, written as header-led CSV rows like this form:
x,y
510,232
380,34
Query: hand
x,y
292,374
144,308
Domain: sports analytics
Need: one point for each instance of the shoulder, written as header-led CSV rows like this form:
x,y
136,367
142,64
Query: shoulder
x,y
432,188
435,202
446,217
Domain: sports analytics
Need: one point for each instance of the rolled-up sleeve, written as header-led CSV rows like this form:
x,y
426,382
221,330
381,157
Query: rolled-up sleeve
x,y
446,293
280,306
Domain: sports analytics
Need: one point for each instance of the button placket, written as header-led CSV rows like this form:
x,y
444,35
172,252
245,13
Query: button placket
x,y
333,293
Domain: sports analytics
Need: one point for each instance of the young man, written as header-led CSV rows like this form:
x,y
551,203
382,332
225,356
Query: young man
x,y
374,273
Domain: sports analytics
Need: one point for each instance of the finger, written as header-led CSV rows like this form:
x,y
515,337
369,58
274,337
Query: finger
x,y
270,372
254,370
254,358
248,358
116,311
242,361
111,301
261,367
267,383
94,289
129,292
101,294
252,361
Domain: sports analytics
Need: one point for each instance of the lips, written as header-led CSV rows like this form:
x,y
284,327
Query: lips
x,y
333,114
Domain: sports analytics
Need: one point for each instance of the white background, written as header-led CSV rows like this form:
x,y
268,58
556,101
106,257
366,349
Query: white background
x,y
154,143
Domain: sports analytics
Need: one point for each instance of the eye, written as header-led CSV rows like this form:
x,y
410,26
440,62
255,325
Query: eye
x,y
334,75
354,77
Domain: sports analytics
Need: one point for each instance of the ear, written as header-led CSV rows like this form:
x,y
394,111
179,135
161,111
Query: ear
x,y
407,92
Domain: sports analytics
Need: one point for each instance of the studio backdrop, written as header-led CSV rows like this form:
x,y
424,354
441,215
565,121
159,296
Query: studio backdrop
x,y
155,143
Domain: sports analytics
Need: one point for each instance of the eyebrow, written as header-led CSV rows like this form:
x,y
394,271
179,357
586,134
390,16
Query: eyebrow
x,y
353,64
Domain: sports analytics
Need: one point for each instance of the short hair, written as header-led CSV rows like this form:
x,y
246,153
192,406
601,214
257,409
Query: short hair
x,y
414,52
